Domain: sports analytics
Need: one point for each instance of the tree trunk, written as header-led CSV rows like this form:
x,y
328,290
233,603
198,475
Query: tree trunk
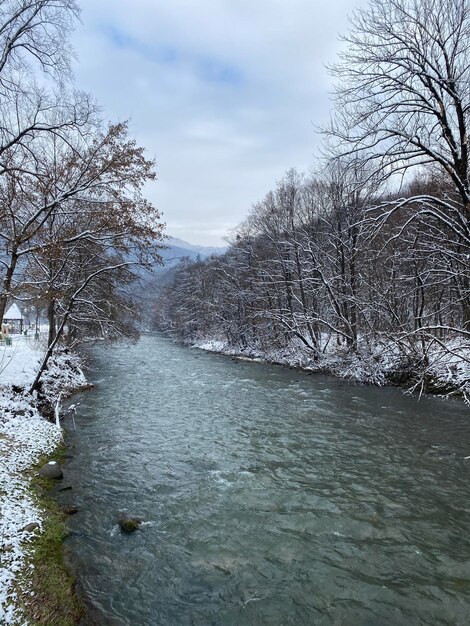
x,y
6,286
51,319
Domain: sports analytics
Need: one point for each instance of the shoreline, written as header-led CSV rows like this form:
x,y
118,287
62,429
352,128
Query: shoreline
x,y
31,523
443,380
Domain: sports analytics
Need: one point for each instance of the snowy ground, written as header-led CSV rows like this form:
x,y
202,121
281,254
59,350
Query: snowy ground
x,y
24,437
19,362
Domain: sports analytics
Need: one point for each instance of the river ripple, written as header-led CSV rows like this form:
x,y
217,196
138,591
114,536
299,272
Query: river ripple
x,y
270,496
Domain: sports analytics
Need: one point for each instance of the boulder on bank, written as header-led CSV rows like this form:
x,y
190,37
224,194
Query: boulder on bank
x,y
51,470
30,528
128,523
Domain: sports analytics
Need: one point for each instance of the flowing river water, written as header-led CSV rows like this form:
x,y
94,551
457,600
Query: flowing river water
x,y
269,496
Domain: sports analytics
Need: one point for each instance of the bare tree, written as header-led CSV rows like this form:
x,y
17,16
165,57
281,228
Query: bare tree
x,y
35,32
403,96
35,67
72,175
403,103
83,254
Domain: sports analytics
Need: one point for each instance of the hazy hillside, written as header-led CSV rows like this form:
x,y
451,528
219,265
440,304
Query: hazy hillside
x,y
177,249
202,251
161,275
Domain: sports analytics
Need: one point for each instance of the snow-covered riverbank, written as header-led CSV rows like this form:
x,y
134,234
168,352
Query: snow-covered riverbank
x,y
446,372
25,436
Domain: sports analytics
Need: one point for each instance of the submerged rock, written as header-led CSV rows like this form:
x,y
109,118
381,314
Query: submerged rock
x,y
70,510
65,487
51,470
128,523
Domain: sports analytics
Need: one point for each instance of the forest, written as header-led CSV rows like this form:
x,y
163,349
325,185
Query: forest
x,y
362,266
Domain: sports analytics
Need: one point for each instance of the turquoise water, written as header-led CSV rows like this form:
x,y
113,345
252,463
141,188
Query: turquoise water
x,y
269,496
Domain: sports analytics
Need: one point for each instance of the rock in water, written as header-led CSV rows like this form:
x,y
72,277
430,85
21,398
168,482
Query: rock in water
x,y
128,524
64,487
51,470
70,510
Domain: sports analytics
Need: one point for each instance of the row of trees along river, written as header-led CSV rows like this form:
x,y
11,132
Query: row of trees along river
x,y
372,248
74,224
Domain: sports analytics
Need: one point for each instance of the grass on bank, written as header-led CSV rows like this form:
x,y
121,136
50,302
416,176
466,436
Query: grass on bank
x,y
46,592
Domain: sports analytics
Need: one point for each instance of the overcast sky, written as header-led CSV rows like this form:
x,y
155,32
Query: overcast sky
x,y
224,94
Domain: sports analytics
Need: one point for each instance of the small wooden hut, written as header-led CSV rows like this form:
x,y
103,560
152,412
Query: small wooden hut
x,y
14,318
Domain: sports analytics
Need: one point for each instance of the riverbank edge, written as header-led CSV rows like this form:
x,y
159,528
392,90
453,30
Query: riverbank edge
x,y
37,587
54,601
359,368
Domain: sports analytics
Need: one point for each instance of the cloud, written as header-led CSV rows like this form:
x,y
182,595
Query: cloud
x,y
223,93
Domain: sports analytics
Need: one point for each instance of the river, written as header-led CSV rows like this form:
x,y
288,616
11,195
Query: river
x,y
270,496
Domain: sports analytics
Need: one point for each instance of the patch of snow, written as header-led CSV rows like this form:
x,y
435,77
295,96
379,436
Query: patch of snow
x,y
24,437
63,375
20,361
212,345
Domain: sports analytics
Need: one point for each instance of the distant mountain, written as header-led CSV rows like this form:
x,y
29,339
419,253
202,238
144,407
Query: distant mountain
x,y
178,245
162,275
177,249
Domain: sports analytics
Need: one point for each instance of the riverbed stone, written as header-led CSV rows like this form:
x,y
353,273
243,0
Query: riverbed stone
x,y
70,510
31,527
64,487
51,470
129,523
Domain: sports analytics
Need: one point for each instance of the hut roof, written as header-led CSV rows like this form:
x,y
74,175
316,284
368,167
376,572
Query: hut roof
x,y
13,313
